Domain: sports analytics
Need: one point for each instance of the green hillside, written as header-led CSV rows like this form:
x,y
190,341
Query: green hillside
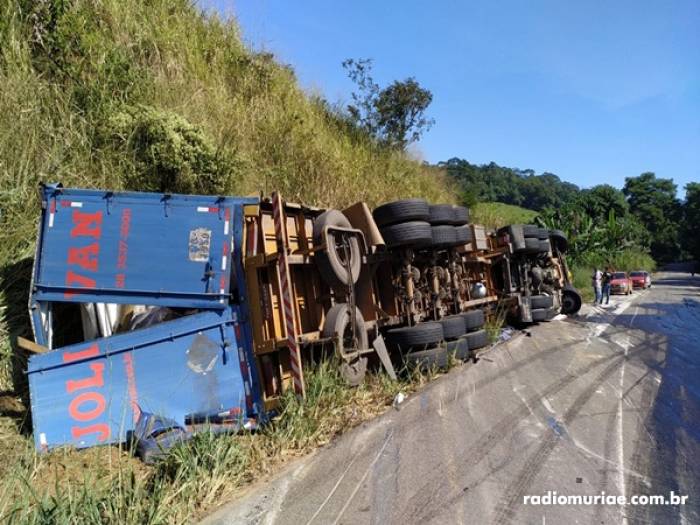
x,y
159,96
497,214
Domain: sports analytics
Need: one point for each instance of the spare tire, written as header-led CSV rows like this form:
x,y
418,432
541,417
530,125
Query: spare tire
x,y
473,319
401,211
570,300
460,215
443,236
453,327
463,235
441,214
419,335
340,322
342,252
477,339
407,234
541,301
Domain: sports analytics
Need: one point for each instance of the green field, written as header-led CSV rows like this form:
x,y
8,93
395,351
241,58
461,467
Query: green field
x,y
497,214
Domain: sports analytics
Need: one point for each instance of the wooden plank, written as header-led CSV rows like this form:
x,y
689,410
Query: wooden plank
x,y
31,346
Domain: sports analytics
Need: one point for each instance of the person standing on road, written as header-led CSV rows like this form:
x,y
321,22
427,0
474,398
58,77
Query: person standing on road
x,y
597,283
607,277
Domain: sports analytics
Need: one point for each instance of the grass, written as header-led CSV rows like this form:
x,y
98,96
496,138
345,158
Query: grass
x,y
497,214
106,484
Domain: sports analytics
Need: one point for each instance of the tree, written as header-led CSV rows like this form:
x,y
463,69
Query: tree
x,y
395,114
599,200
691,220
653,201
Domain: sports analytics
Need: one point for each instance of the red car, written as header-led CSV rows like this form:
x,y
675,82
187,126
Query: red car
x,y
640,279
620,283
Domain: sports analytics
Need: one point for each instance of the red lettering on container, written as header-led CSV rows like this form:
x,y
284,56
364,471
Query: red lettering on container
x,y
96,380
87,224
73,279
100,428
79,355
86,397
82,256
120,280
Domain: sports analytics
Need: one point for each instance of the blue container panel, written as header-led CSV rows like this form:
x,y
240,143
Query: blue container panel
x,y
136,248
91,393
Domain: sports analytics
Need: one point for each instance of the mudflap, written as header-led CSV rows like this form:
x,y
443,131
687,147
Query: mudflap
x,y
185,371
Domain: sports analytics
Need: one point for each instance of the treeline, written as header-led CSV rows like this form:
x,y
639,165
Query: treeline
x,y
646,217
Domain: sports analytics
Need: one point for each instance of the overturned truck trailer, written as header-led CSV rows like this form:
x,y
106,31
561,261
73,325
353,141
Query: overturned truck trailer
x,y
159,314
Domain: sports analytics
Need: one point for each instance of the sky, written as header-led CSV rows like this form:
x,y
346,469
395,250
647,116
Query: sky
x,y
594,91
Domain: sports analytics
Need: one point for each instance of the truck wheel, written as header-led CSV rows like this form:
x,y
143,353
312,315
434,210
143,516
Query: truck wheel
x,y
407,234
443,236
530,230
463,235
342,250
559,240
340,322
401,211
460,215
570,301
539,315
541,301
419,335
460,348
476,340
531,245
551,313
441,214
543,234
545,247
453,327
473,319
515,233
426,359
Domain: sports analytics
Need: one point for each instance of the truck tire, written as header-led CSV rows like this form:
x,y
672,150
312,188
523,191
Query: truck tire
x,y
419,335
441,214
340,322
551,313
539,315
443,236
407,234
570,300
559,240
473,320
463,235
541,301
332,262
476,340
453,327
459,348
531,231
401,211
515,234
531,245
543,234
460,215
426,359
545,247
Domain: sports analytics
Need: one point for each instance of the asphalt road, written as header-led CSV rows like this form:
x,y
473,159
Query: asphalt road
x,y
609,401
